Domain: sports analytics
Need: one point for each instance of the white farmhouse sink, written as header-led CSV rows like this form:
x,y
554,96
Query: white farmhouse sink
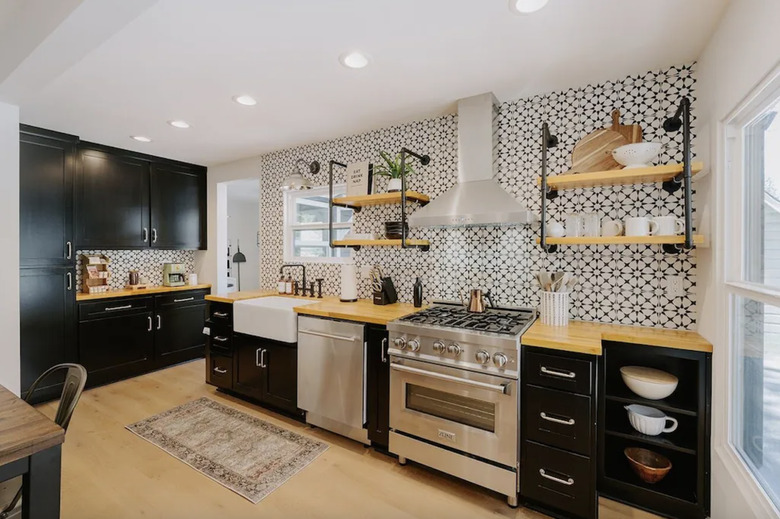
x,y
268,317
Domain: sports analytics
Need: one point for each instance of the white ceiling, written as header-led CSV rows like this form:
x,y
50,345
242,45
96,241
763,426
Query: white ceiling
x,y
115,68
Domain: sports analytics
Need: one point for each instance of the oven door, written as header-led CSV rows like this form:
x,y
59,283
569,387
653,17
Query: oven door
x,y
472,412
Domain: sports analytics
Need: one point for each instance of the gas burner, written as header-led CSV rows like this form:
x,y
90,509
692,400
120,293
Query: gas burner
x,y
507,321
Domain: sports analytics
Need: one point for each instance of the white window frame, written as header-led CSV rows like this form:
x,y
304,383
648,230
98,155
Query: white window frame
x,y
290,226
735,231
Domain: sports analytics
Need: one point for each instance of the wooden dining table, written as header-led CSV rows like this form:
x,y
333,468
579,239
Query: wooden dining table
x,y
30,446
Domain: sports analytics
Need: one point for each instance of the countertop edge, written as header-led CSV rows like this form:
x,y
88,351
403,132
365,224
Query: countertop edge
x,y
82,297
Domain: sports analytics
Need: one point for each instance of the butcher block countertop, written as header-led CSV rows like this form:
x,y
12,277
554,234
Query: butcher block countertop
x,y
586,337
363,310
133,293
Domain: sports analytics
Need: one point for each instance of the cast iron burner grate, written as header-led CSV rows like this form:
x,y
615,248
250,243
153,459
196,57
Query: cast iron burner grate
x,y
508,321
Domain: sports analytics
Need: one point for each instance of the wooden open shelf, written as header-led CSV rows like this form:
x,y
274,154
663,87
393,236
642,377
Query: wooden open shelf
x,y
381,243
698,239
380,199
618,177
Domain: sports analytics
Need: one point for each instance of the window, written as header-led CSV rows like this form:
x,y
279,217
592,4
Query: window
x,y
306,226
753,272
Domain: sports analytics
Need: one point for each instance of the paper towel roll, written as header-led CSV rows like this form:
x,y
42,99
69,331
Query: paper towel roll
x,y
349,292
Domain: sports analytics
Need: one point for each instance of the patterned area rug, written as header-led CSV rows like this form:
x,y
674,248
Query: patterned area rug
x,y
247,455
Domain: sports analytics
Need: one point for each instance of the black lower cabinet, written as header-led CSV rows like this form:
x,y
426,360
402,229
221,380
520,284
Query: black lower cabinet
x,y
179,327
48,326
266,371
378,387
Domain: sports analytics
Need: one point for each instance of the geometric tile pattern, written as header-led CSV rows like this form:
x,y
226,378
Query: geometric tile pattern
x,y
619,284
149,264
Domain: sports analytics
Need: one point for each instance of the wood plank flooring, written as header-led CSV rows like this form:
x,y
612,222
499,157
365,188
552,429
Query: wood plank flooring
x,y
109,472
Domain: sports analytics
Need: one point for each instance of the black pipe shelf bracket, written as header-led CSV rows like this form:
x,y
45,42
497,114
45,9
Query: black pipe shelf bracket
x,y
424,160
682,120
330,207
548,141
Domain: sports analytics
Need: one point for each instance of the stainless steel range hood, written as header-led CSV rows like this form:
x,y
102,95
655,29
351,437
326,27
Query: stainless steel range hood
x,y
476,199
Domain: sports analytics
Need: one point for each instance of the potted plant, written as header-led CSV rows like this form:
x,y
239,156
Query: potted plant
x,y
392,170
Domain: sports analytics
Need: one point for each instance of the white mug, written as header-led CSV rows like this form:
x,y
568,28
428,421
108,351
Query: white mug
x,y
669,225
649,420
554,229
641,226
611,227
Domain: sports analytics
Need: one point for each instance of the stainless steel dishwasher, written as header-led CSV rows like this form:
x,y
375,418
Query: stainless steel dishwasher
x,y
331,375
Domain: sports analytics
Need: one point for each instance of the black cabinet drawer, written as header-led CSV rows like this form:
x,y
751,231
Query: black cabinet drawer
x,y
220,313
558,372
559,419
558,480
187,297
220,341
219,371
115,307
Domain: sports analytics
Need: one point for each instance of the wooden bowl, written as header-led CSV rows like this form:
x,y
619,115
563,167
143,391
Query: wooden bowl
x,y
650,466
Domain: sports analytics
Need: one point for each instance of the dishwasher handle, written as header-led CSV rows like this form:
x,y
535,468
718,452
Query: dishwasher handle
x,y
329,336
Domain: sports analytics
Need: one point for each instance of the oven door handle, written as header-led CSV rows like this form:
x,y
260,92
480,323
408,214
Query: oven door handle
x,y
499,388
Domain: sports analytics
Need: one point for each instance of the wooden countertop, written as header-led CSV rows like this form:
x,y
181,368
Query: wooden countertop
x,y
363,310
24,430
586,337
131,293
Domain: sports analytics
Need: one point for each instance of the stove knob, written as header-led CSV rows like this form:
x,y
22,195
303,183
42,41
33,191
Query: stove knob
x,y
400,343
500,360
439,347
454,349
414,345
483,357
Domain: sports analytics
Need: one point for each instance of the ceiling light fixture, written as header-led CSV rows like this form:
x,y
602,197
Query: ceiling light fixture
x,y
354,59
245,100
526,6
141,138
179,124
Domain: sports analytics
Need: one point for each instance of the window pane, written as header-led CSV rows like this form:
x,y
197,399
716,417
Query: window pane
x,y
757,391
314,243
762,203
314,209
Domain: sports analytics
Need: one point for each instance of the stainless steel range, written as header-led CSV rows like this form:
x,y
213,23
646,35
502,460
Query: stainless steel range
x,y
454,396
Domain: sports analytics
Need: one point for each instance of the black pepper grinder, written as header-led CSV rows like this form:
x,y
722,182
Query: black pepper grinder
x,y
418,296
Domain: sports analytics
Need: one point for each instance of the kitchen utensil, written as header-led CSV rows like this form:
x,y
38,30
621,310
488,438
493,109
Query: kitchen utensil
x,y
554,229
573,225
669,225
632,132
649,383
571,283
590,224
594,151
349,293
477,299
546,280
650,466
641,226
637,155
611,227
649,420
560,285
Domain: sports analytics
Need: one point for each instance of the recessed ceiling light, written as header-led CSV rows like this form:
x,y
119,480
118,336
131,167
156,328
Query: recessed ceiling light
x,y
141,138
179,124
354,59
245,100
526,6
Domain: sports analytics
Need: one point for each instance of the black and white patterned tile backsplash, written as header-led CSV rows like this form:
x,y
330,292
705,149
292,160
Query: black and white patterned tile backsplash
x,y
618,284
149,264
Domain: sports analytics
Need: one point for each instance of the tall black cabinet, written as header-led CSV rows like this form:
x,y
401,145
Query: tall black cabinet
x,y
47,163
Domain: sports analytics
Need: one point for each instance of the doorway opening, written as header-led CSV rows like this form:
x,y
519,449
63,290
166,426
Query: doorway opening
x,y
238,258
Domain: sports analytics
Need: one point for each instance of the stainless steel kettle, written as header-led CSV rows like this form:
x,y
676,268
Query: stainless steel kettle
x,y
477,299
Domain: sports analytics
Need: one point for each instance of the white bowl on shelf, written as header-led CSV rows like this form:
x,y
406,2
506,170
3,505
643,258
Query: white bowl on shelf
x,y
649,383
637,155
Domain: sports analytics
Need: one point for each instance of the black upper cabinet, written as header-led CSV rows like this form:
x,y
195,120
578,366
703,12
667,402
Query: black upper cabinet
x,y
46,165
112,200
178,207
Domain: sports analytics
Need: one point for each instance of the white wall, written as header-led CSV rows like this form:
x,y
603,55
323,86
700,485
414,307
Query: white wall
x,y
243,223
9,239
206,264
743,49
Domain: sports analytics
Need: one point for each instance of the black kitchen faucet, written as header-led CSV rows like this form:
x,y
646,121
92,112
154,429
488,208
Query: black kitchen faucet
x,y
303,267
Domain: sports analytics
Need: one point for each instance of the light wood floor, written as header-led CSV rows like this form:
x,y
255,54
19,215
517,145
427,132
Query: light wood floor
x,y
109,472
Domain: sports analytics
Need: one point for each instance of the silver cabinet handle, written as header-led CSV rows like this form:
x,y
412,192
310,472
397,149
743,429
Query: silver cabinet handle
x,y
221,315
384,343
150,323
220,371
154,235
69,277
159,321
257,357
556,373
219,338
69,247
329,336
568,482
262,359
112,308
499,388
184,300
544,416
146,234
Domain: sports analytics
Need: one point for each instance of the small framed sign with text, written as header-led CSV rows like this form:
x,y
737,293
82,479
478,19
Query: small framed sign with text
x,y
359,178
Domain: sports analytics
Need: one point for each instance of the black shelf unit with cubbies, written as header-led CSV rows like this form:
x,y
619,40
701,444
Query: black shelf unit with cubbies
x,y
685,491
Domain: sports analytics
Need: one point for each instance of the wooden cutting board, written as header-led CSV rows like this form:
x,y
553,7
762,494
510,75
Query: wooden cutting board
x,y
594,151
632,132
